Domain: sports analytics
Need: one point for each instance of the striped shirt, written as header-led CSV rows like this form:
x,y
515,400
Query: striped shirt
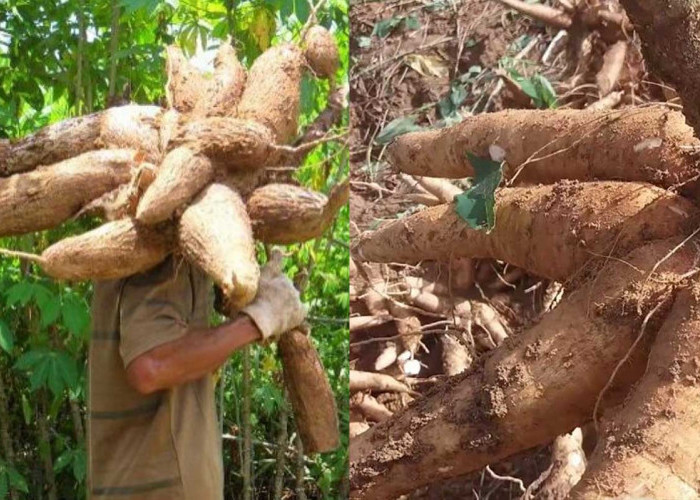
x,y
159,446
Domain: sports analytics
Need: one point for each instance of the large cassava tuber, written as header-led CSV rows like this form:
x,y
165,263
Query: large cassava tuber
x,y
185,83
272,94
47,196
224,90
127,127
660,414
305,380
651,144
114,250
542,384
283,213
321,52
215,233
181,176
234,142
551,230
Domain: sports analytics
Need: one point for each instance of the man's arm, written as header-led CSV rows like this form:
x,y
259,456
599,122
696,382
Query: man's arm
x,y
277,308
197,353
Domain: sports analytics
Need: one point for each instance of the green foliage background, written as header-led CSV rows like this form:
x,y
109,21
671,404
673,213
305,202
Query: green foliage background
x,y
55,61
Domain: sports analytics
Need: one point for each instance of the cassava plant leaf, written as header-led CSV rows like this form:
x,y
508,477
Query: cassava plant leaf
x,y
7,337
411,23
396,128
476,204
384,27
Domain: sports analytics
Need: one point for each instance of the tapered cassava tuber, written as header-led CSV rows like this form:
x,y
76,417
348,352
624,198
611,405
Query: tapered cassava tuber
x,y
272,94
49,195
321,52
234,142
181,176
215,233
309,392
225,89
651,144
551,230
283,213
125,127
114,250
185,83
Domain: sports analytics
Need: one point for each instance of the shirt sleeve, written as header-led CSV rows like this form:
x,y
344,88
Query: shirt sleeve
x,y
155,307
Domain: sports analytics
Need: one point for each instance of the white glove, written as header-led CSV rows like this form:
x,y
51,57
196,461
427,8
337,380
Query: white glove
x,y
277,307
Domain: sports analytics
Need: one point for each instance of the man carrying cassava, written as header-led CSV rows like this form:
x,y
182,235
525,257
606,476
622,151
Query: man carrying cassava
x,y
153,431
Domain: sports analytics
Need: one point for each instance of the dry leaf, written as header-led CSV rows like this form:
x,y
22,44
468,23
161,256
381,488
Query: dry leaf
x,y
429,65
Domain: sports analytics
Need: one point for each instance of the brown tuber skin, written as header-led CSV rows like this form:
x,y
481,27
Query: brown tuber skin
x,y
544,383
284,214
113,250
215,233
321,52
551,231
272,94
50,195
182,175
185,82
306,381
651,144
234,142
659,416
224,91
124,127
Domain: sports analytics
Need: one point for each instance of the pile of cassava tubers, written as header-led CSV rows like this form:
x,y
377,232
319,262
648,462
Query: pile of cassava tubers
x,y
190,179
604,202
195,180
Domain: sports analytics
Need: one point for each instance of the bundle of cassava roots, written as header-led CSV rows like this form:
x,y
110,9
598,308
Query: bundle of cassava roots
x,y
604,202
192,179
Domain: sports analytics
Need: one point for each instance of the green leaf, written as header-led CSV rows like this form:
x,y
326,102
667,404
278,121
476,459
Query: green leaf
x,y
449,105
65,366
17,481
20,293
131,6
396,128
40,375
537,87
220,30
48,303
29,359
27,411
75,315
4,483
476,204
411,23
546,92
53,369
63,460
79,465
384,27
7,337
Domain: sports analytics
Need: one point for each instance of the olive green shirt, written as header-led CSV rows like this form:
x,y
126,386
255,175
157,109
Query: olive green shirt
x,y
164,445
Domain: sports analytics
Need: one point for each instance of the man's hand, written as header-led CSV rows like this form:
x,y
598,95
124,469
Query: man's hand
x,y
277,307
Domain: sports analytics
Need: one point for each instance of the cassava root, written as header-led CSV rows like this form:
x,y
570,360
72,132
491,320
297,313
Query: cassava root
x,y
215,233
535,229
501,409
651,144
